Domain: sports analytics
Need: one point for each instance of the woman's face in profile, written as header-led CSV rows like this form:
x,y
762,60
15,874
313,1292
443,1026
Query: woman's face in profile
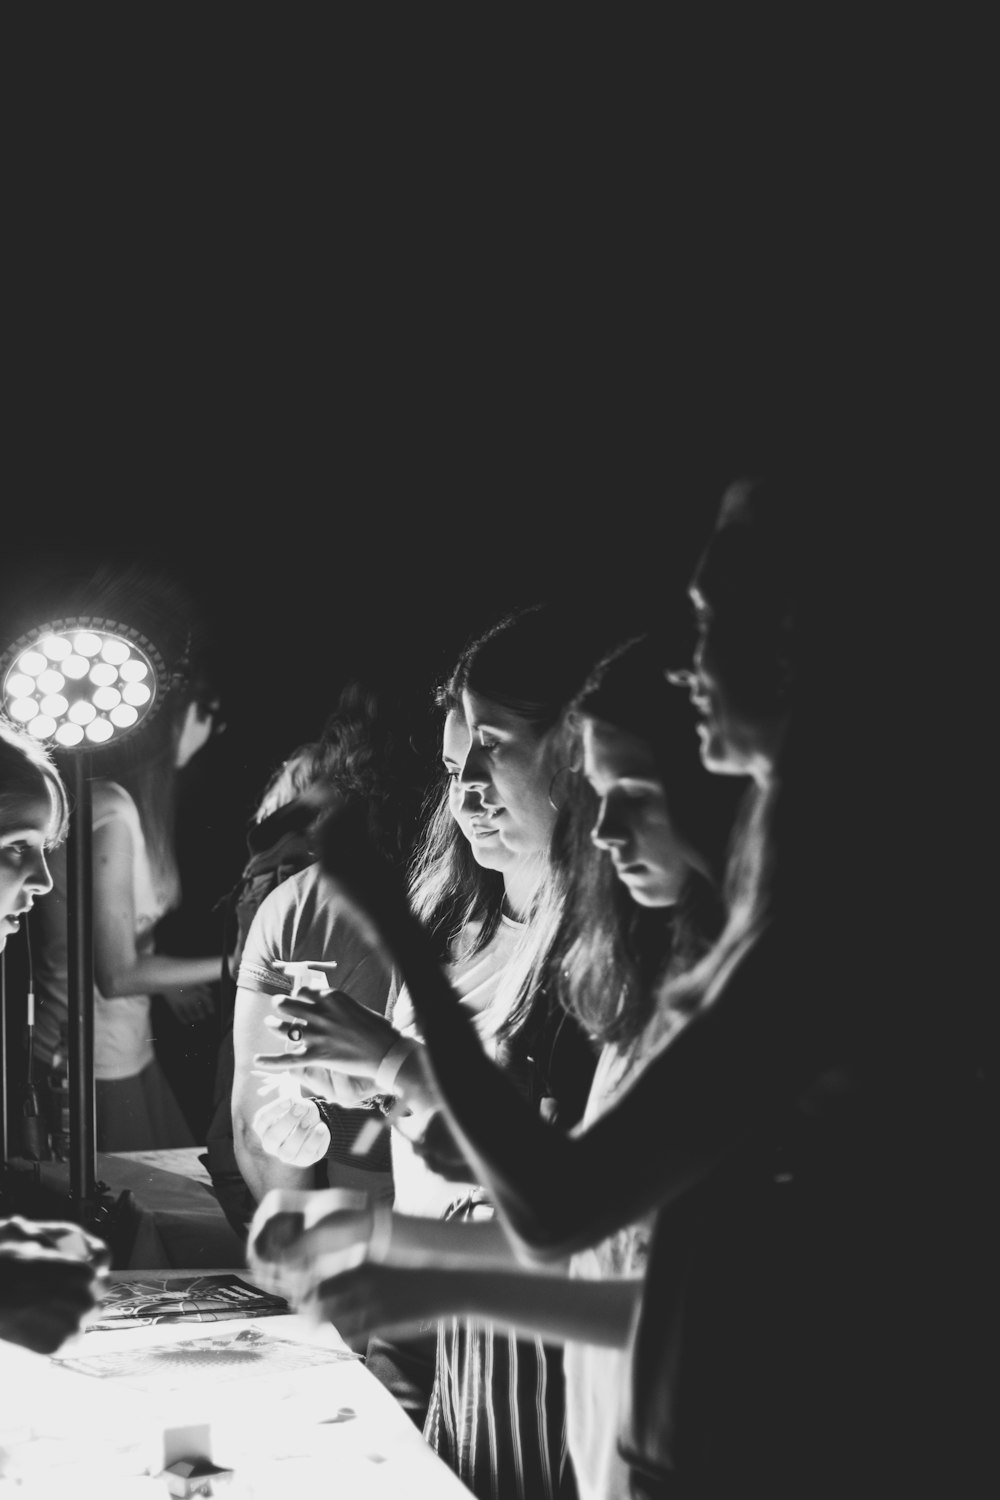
x,y
25,827
510,765
738,670
633,824
465,802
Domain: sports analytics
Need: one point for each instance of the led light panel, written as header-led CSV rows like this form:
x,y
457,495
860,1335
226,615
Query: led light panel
x,y
76,684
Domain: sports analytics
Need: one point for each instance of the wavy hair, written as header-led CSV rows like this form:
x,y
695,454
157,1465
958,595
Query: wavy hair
x,y
610,954
532,662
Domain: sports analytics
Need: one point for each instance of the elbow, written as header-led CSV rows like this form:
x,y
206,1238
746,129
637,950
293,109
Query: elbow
x,y
537,1239
246,1142
115,984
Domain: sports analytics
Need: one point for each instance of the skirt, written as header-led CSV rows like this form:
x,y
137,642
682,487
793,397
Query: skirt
x,y
140,1113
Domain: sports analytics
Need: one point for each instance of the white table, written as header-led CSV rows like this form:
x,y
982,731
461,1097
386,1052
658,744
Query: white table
x,y
285,1429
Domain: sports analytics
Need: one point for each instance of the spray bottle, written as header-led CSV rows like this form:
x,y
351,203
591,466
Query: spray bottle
x,y
306,974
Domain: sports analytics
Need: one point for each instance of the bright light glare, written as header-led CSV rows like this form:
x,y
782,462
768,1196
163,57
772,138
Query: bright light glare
x,y
55,647
105,684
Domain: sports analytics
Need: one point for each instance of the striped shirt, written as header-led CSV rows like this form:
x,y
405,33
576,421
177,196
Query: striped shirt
x,y
497,1415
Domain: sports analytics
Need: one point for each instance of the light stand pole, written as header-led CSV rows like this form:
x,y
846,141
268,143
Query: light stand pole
x,y
78,685
80,1035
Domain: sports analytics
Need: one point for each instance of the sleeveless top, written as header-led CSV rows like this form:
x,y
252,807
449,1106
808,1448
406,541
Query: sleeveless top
x,y
123,1043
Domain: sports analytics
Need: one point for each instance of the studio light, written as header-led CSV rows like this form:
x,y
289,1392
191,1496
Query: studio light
x,y
79,685
82,683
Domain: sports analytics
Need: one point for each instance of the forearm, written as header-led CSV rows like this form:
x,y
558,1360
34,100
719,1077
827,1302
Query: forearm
x,y
259,1169
558,1193
424,1243
695,1101
558,1309
415,1082
151,973
520,1158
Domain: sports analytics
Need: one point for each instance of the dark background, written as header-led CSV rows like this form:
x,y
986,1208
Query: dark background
x,y
364,361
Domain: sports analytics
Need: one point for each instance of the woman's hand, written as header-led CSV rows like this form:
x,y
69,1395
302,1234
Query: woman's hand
x,y
331,1029
297,1237
375,1298
292,1131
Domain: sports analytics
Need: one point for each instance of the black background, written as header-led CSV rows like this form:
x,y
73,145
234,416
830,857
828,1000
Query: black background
x,y
366,349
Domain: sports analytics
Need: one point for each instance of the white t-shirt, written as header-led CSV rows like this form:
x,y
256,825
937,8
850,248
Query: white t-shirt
x,y
419,1190
123,1043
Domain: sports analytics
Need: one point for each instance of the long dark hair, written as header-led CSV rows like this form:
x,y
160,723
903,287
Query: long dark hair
x,y
376,748
611,953
532,662
452,894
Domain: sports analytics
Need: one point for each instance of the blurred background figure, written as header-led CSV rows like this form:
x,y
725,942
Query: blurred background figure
x,y
374,753
278,845
136,882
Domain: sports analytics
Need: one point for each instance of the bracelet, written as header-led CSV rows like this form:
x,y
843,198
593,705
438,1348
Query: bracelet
x,y
381,1233
388,1069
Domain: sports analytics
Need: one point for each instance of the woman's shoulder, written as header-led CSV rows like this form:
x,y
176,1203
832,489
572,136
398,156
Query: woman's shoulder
x,y
109,800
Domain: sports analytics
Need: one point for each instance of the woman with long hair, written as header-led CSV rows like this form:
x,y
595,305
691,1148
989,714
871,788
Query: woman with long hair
x,y
635,886
136,882
782,1344
495,1410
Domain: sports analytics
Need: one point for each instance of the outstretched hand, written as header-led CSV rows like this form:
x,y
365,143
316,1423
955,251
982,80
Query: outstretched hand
x,y
376,1298
292,1131
329,1028
298,1236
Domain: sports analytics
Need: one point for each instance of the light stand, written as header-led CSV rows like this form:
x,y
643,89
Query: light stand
x,y
80,1035
78,685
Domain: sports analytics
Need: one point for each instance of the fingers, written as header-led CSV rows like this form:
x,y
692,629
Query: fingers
x,y
278,1062
292,1131
277,1238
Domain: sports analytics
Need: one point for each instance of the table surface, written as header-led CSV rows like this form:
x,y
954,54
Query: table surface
x,y
298,1415
179,1220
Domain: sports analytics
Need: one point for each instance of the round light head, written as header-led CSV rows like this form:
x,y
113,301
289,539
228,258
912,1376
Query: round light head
x,y
82,683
